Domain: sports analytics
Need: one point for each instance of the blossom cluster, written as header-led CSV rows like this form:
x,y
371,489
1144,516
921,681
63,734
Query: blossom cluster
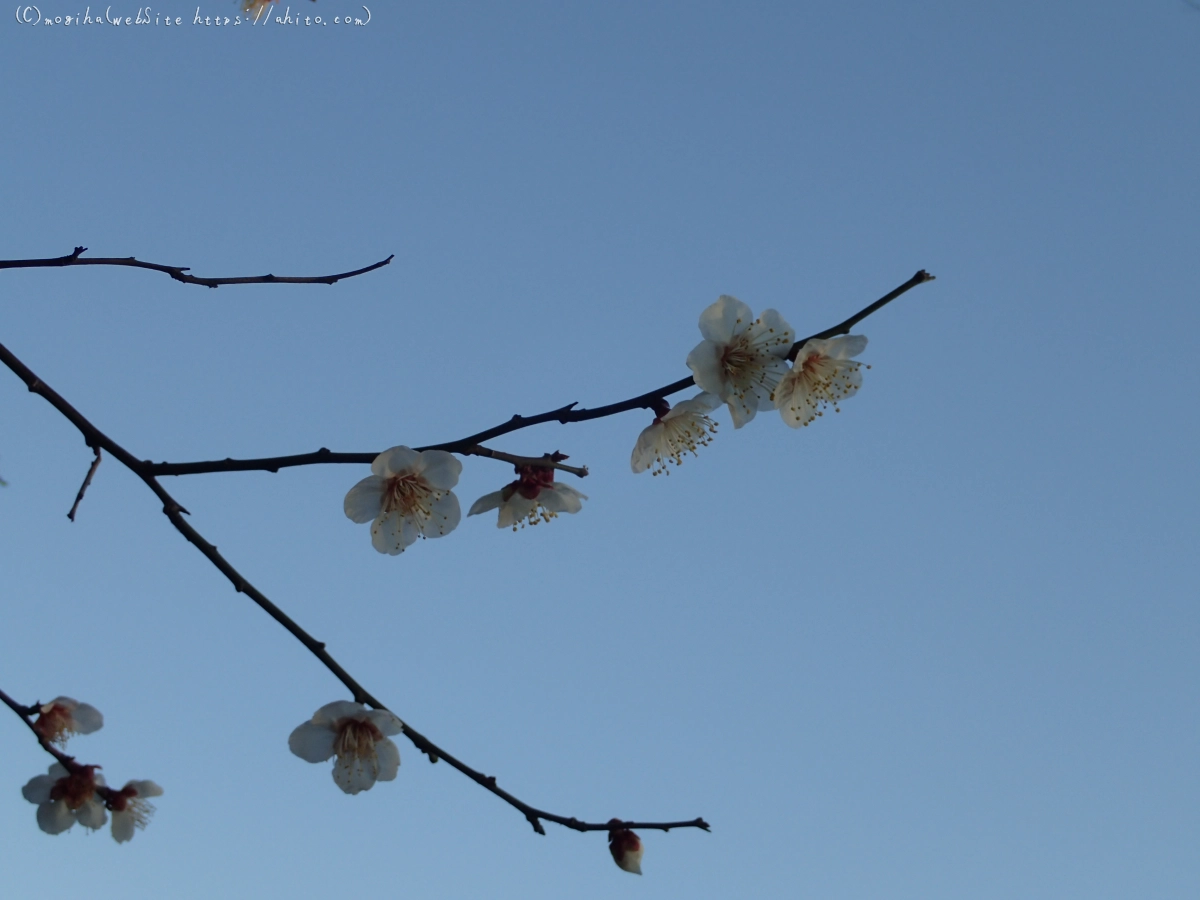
x,y
409,496
742,362
72,793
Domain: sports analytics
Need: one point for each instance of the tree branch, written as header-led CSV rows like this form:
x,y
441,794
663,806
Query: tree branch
x,y
180,273
174,512
545,461
91,473
464,446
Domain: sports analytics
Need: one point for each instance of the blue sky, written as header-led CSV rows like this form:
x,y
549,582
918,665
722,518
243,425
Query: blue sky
x,y
943,644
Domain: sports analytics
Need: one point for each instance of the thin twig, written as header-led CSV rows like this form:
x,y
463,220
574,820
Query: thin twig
x,y
86,481
546,461
175,512
563,414
180,273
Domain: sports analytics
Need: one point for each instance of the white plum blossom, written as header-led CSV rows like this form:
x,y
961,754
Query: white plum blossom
x,y
626,848
741,358
356,736
64,798
675,431
534,497
408,496
131,809
63,717
822,375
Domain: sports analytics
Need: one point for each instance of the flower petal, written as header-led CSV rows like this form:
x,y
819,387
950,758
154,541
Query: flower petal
x,y
772,335
389,535
364,500
444,517
123,825
724,318
441,469
742,409
389,759
704,402
394,461
705,363
311,742
409,531
385,720
338,709
645,451
486,502
354,773
37,789
91,814
145,788
87,718
517,509
53,817
846,347
562,498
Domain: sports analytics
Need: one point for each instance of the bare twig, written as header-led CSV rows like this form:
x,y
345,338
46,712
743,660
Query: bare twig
x,y
86,481
563,414
546,461
180,273
174,512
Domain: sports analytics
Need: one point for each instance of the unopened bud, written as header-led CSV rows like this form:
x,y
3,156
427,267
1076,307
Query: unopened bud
x,y
626,849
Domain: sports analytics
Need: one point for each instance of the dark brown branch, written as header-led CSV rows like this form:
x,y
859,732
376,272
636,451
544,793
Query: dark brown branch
x,y
171,508
844,327
563,414
180,273
91,472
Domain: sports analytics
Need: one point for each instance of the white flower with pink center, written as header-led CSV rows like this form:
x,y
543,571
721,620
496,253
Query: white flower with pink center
x,y
675,431
408,496
130,808
63,717
741,359
822,376
534,497
64,798
357,737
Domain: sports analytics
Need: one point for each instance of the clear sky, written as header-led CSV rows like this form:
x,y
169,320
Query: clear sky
x,y
942,645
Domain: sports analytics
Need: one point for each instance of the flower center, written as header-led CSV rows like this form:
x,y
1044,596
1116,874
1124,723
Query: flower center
x,y
738,356
54,724
532,480
410,495
77,788
356,738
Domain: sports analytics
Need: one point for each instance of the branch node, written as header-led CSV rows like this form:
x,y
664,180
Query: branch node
x,y
536,823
